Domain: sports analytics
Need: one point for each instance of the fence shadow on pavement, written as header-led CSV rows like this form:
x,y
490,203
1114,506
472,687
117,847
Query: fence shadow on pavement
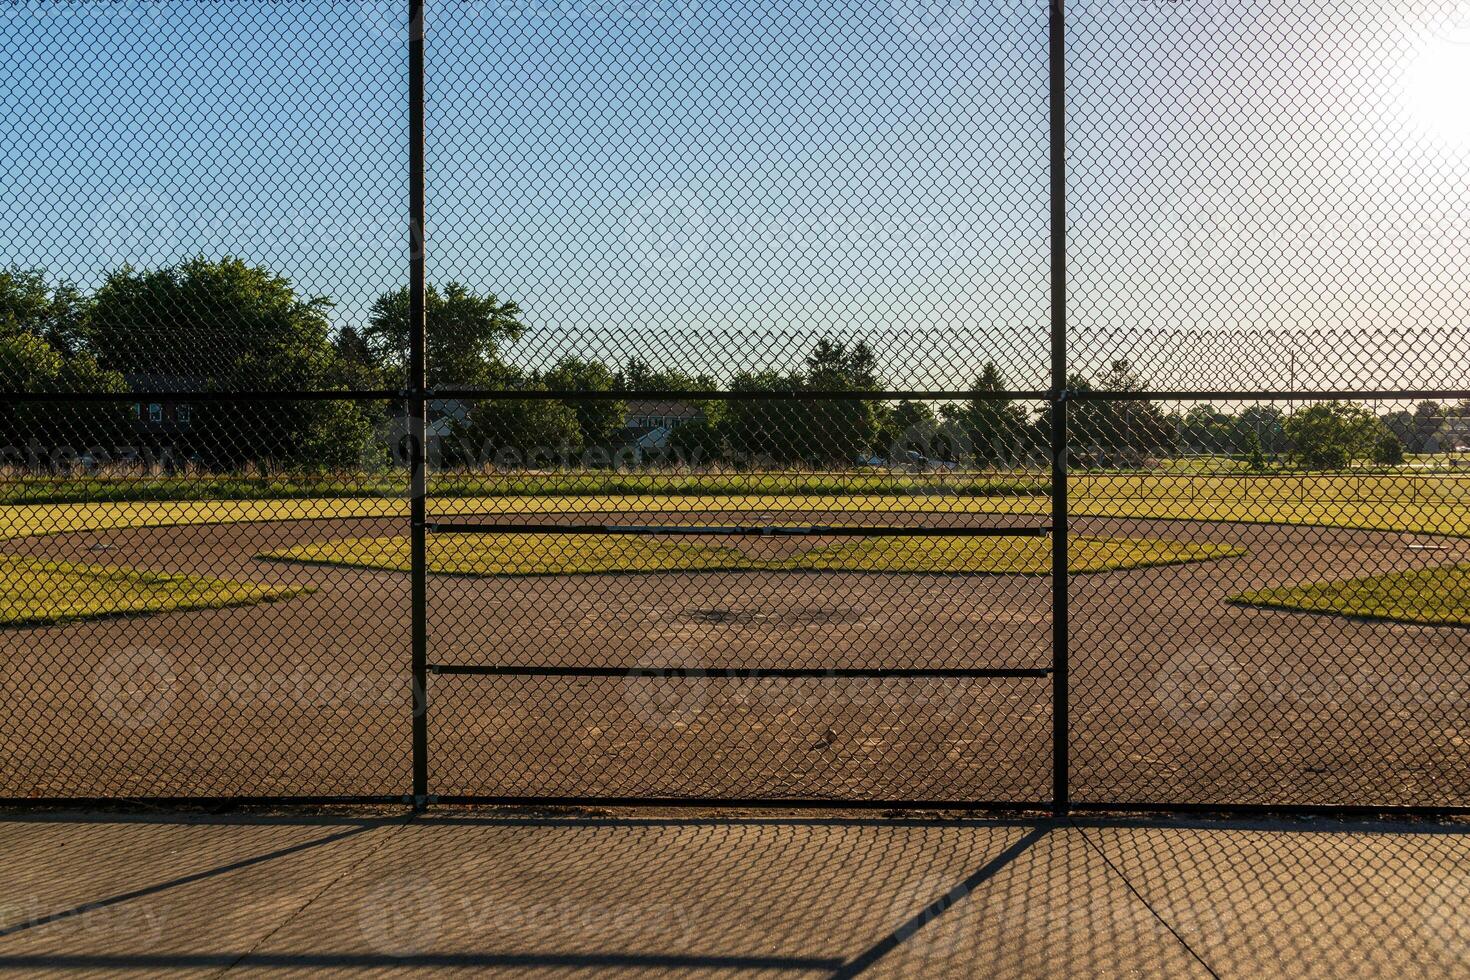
x,y
733,895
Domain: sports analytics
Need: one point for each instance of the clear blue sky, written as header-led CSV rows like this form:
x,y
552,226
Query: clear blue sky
x,y
714,184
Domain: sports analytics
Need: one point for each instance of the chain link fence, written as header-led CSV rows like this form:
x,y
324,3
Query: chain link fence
x,y
886,403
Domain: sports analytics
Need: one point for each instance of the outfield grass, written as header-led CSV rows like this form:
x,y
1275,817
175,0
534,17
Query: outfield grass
x,y
1166,481
453,486
588,554
1401,503
34,593
1432,596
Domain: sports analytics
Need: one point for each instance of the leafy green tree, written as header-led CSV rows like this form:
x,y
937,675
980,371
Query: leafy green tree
x,y
1429,417
1206,429
1401,424
1389,451
638,375
313,434
783,430
1331,435
906,427
1134,426
522,433
202,319
29,303
700,441
1255,456
43,432
994,428
839,430
598,418
1266,424
355,363
465,334
766,431
226,325
39,351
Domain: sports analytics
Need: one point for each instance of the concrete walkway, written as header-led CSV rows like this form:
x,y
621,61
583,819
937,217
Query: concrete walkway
x,y
747,895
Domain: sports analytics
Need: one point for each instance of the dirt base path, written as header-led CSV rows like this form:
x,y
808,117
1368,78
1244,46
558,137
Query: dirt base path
x,y
1176,695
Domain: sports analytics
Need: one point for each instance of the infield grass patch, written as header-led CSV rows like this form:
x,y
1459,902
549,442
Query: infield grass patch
x,y
1002,556
520,554
590,554
1431,596
35,593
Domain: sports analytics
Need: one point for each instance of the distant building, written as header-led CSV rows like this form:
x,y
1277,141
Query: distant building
x,y
159,417
659,414
648,425
446,415
1452,439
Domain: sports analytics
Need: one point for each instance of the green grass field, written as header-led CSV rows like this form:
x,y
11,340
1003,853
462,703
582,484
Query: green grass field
x,y
587,554
34,593
1166,477
589,483
1433,596
1432,503
1420,504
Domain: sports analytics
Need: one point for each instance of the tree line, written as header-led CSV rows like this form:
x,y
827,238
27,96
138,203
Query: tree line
x,y
225,325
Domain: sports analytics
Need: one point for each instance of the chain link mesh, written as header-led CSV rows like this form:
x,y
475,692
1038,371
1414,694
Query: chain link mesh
x,y
741,470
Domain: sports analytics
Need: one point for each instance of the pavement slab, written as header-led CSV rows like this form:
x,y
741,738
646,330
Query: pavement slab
x,y
475,891
104,896
1290,899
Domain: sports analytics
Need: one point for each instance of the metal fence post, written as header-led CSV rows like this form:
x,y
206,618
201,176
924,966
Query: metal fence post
x,y
418,402
1057,72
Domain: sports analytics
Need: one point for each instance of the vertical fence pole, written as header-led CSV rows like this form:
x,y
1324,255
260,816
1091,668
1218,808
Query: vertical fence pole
x,y
418,406
1057,72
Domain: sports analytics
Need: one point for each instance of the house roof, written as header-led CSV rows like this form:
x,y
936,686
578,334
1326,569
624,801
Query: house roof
x,y
674,407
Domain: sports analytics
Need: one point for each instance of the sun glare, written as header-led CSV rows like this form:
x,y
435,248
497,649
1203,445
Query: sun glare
x,y
1439,89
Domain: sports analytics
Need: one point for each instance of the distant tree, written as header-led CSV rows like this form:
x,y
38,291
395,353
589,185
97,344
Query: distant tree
x,y
1331,435
355,367
1401,424
1265,423
356,364
40,337
993,428
228,326
905,427
700,441
30,303
766,431
1429,417
814,430
48,432
839,430
1389,451
313,434
1254,455
202,319
598,418
534,433
1133,426
466,332
637,375
1206,429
